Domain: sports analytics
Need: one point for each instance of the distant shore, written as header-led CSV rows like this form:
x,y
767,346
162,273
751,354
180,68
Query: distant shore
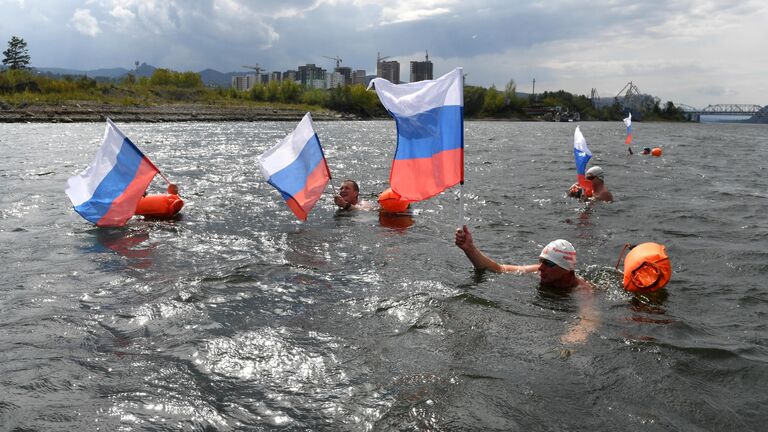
x,y
86,111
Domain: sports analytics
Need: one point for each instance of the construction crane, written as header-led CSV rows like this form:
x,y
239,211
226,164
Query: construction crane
x,y
338,60
257,68
379,58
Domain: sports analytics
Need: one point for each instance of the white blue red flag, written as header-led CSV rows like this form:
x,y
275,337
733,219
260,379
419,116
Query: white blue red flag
x,y
628,122
430,134
108,191
297,168
582,155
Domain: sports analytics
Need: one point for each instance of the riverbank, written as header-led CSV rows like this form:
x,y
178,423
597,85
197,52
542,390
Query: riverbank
x,y
88,111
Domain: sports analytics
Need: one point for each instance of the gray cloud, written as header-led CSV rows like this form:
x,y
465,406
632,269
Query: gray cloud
x,y
573,45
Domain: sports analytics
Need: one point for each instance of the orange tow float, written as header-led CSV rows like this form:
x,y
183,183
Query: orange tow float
x,y
646,268
656,151
390,201
161,205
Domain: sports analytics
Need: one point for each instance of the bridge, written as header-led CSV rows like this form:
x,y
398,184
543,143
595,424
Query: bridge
x,y
746,110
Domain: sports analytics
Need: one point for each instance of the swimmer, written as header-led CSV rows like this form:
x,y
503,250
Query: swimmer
x,y
348,197
646,150
556,269
599,191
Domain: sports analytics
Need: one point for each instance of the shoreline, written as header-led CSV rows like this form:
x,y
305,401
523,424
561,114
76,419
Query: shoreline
x,y
93,112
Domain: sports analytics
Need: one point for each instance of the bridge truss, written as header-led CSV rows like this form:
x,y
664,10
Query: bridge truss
x,y
755,112
723,109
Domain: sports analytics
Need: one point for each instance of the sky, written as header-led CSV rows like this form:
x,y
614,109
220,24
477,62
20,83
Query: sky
x,y
693,52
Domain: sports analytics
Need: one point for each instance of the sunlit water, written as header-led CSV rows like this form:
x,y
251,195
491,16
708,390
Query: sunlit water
x,y
239,317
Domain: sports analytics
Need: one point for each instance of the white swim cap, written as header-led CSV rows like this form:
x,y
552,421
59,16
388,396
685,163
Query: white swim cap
x,y
596,171
560,252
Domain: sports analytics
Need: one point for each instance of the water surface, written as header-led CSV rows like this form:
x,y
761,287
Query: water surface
x,y
239,317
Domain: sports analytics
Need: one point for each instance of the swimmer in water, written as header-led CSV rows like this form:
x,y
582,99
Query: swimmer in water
x,y
556,269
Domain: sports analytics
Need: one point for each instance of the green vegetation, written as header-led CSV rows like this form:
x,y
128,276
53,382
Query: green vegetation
x,y
21,86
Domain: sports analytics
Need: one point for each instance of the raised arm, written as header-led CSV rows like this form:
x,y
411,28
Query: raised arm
x,y
481,261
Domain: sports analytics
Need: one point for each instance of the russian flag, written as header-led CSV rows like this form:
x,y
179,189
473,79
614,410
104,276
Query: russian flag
x,y
107,192
628,122
582,155
430,134
297,168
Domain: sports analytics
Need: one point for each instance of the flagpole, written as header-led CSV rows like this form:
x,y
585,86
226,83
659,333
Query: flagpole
x,y
461,205
164,177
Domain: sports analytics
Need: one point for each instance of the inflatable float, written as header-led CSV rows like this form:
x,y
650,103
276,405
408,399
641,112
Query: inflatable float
x,y
159,206
391,202
646,268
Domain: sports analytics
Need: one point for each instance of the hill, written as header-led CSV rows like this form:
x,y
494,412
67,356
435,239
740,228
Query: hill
x,y
210,77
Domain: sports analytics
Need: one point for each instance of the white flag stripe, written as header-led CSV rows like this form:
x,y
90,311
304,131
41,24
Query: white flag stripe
x,y
82,186
288,149
414,98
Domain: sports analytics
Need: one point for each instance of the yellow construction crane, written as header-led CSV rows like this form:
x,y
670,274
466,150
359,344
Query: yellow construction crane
x,y
338,60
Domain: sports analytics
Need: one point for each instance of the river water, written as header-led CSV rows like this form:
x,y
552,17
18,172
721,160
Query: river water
x,y
238,317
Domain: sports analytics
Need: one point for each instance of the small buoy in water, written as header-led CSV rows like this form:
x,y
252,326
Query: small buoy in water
x,y
647,268
159,206
656,151
391,201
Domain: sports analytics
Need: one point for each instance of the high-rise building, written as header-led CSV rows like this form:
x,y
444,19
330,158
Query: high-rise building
x,y
244,82
291,75
358,77
334,79
421,70
276,76
346,72
389,70
310,74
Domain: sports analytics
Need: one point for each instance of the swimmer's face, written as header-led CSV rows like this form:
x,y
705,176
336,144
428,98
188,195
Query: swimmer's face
x,y
348,192
550,273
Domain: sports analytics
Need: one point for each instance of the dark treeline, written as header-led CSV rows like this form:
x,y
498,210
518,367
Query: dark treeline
x,y
24,86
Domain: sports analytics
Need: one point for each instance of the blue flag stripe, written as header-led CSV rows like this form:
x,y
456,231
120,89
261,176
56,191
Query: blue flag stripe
x,y
114,184
292,179
426,134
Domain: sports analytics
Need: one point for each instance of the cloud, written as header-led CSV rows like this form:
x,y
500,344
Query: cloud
x,y
85,23
673,49
122,14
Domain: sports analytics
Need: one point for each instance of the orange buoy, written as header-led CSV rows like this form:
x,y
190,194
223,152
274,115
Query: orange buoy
x,y
159,206
656,151
647,268
391,201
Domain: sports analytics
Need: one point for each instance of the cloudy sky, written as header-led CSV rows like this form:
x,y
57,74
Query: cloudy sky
x,y
696,52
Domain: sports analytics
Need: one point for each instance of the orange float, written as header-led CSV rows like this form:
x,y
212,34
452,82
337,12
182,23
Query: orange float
x,y
647,268
390,201
656,151
159,206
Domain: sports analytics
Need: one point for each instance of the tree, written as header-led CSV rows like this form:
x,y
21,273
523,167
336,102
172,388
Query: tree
x,y
16,56
493,101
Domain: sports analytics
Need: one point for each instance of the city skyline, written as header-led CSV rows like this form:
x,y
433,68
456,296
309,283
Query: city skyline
x,y
689,52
